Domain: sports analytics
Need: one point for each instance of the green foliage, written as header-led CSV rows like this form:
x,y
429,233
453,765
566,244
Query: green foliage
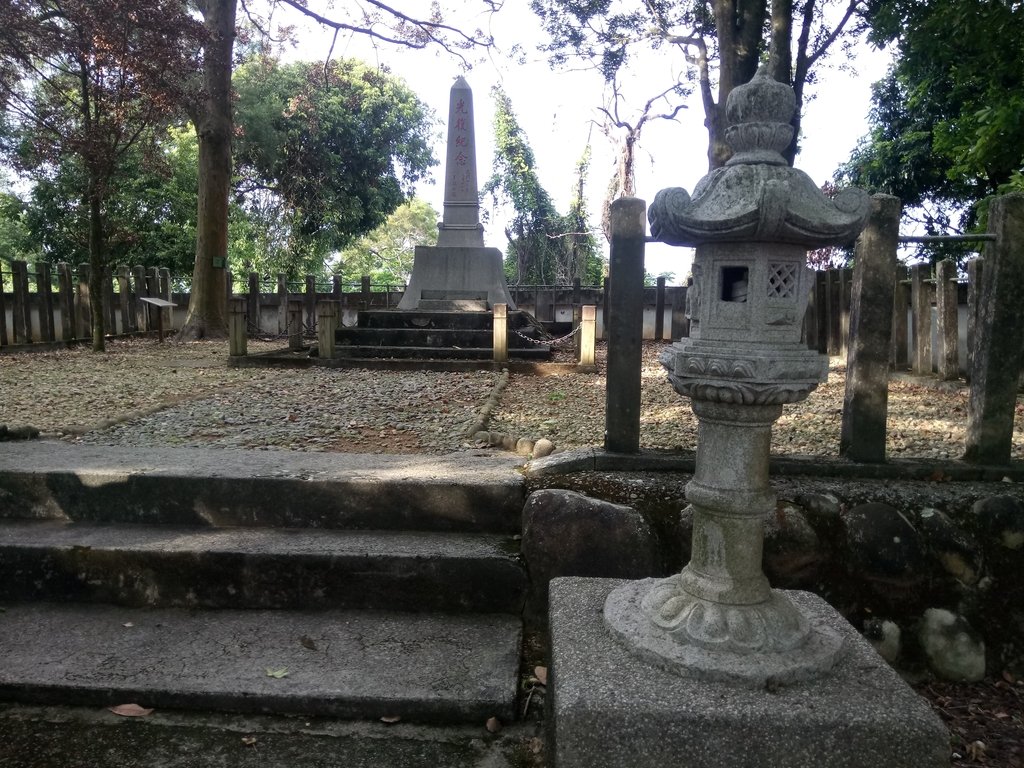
x,y
338,147
386,253
545,248
946,128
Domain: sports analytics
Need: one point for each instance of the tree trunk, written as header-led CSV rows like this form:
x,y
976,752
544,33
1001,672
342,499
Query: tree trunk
x,y
207,309
97,269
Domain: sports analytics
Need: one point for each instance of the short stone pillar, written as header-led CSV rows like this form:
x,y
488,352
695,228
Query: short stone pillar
x,y
588,336
237,332
500,333
998,351
294,324
866,402
326,323
946,315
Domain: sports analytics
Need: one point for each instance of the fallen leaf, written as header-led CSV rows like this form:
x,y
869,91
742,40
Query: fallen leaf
x,y
248,740
308,642
128,624
130,710
493,725
1008,677
541,673
390,719
277,674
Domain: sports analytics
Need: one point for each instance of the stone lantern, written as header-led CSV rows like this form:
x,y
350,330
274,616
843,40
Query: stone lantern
x,y
752,223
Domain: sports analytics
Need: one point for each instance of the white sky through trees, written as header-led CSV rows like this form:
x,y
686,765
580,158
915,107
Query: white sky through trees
x,y
559,109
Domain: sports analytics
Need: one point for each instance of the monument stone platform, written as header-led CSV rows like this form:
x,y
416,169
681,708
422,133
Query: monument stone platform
x,y
612,709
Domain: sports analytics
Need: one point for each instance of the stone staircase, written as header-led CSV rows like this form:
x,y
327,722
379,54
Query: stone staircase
x,y
340,586
451,331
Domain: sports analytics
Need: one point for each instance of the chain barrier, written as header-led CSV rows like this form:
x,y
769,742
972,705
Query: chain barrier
x,y
549,342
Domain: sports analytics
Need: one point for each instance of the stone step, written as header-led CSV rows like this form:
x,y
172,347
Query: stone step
x,y
539,352
419,318
454,305
345,664
45,479
140,565
42,736
424,337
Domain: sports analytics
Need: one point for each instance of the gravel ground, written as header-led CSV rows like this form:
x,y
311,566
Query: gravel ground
x,y
144,393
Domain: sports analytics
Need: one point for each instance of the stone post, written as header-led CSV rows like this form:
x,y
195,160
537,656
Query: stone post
x,y
845,291
44,290
900,358
997,357
237,329
577,310
588,335
946,315
142,312
4,341
920,298
605,293
22,311
659,309
254,302
67,301
327,321
282,302
865,406
366,293
625,326
165,294
294,324
83,302
124,296
975,274
833,292
310,300
680,325
109,307
821,306
500,333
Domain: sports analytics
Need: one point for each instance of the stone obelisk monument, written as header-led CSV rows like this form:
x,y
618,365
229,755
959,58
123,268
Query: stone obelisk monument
x,y
459,273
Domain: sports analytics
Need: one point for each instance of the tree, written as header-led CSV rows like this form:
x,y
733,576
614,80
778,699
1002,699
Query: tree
x,y
337,146
207,313
735,34
544,247
946,129
386,253
89,78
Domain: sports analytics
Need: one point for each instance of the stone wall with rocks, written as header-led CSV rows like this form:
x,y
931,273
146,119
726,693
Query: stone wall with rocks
x,y
931,572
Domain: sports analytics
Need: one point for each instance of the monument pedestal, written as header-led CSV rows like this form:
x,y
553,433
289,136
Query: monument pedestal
x,y
611,709
444,276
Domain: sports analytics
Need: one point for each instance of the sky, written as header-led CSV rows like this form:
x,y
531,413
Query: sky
x,y
558,111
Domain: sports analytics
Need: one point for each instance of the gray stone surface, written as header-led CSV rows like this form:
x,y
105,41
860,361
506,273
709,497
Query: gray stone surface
x,y
259,567
339,664
73,737
611,709
52,479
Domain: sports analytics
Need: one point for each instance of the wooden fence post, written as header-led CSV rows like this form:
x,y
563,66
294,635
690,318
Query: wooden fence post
x,y
367,296
141,308
165,294
4,341
625,326
124,295
997,362
500,333
109,308
865,403
310,299
680,323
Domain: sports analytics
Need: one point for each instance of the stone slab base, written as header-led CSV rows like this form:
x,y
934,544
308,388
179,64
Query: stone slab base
x,y
611,709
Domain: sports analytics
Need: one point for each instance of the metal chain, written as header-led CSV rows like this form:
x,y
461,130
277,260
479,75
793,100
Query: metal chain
x,y
549,342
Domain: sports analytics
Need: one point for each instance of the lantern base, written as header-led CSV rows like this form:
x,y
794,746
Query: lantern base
x,y
761,644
